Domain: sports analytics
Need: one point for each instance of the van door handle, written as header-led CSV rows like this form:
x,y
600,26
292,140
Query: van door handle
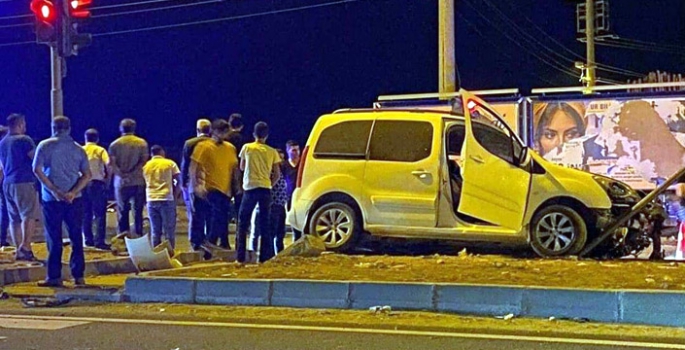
x,y
477,159
422,174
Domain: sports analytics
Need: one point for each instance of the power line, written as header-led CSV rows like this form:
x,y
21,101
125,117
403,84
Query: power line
x,y
537,42
128,4
17,43
630,46
157,8
475,28
16,25
544,59
226,19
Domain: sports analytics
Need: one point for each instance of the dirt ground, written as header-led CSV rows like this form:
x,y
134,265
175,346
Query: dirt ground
x,y
462,268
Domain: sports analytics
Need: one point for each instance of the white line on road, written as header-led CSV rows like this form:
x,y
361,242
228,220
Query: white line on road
x,y
634,344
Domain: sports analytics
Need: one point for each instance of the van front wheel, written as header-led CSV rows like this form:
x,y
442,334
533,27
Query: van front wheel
x,y
337,224
557,230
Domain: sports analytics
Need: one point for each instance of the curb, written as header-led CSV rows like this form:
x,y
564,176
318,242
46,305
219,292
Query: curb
x,y
25,274
614,306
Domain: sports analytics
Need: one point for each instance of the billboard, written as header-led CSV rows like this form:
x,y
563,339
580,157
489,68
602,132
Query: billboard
x,y
638,140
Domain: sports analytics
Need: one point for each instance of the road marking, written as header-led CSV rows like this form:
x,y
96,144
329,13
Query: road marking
x,y
634,344
48,325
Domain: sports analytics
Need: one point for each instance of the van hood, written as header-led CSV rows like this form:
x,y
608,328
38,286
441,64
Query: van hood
x,y
574,183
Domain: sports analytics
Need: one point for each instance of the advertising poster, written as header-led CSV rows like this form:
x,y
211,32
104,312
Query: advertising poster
x,y
636,141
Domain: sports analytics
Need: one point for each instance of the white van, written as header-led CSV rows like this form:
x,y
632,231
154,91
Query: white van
x,y
434,175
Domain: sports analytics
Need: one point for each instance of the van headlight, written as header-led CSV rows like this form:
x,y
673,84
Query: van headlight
x,y
615,189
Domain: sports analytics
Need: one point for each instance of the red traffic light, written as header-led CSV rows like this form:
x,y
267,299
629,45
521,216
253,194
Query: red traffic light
x,y
44,10
78,8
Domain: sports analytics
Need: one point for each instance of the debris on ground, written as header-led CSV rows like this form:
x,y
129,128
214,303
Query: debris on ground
x,y
43,302
506,317
463,254
147,258
307,246
386,309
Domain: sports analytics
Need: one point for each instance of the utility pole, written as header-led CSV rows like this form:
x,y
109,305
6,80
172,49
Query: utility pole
x,y
590,44
446,48
57,97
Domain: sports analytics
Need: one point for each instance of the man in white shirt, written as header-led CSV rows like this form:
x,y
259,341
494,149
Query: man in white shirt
x,y
163,185
95,194
259,163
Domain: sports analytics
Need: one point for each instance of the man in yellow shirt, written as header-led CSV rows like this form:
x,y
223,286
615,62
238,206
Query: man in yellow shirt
x,y
95,194
162,187
212,169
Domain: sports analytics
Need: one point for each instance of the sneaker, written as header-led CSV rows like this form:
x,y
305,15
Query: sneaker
x,y
5,244
50,284
103,246
80,282
25,255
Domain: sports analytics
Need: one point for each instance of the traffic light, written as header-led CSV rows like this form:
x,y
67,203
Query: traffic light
x,y
73,40
46,21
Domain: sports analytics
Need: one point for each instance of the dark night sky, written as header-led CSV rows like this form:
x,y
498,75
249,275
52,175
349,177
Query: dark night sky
x,y
289,68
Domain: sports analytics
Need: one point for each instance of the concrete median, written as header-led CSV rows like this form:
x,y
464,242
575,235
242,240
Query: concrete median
x,y
614,306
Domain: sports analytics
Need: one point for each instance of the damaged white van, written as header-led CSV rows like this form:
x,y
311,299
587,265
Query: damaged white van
x,y
458,176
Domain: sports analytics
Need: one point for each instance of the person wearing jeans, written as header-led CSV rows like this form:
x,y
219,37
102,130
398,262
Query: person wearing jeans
x,y
259,164
163,183
128,154
197,209
95,194
212,168
62,167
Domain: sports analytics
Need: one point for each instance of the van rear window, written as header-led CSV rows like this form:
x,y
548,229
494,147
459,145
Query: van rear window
x,y
346,140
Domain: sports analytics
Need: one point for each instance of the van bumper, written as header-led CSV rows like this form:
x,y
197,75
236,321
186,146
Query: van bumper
x,y
297,215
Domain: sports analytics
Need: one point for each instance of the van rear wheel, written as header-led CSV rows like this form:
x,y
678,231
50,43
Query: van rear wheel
x,y
557,230
337,224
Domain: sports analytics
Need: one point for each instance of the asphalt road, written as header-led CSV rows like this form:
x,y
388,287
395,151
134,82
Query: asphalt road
x,y
26,332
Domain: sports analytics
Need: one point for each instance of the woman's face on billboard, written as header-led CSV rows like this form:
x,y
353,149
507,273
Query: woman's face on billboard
x,y
561,128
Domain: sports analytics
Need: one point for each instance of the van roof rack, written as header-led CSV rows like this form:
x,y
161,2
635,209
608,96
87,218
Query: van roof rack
x,y
445,95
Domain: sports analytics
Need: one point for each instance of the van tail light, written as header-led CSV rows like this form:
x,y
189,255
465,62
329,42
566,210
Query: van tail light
x,y
300,167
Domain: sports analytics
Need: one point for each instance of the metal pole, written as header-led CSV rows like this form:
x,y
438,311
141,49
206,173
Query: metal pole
x,y
446,50
57,98
590,44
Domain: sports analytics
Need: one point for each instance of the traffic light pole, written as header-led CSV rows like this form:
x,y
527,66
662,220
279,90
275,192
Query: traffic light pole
x,y
57,96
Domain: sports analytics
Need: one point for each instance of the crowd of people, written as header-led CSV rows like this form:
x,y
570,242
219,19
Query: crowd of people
x,y
221,177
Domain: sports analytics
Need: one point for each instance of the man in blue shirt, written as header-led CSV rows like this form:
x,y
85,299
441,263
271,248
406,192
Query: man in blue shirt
x,y
16,152
62,167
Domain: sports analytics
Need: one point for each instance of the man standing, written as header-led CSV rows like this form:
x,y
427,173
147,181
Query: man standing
x,y
4,218
16,154
95,194
290,175
212,167
63,170
236,138
259,163
128,155
197,208
162,178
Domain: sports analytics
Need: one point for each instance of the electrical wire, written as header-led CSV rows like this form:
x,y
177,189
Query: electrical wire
x,y
16,25
544,58
604,67
624,45
17,43
475,29
157,9
540,44
128,4
225,19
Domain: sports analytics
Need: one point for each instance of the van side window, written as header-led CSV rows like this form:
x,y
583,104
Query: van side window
x,y
346,140
494,141
401,141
